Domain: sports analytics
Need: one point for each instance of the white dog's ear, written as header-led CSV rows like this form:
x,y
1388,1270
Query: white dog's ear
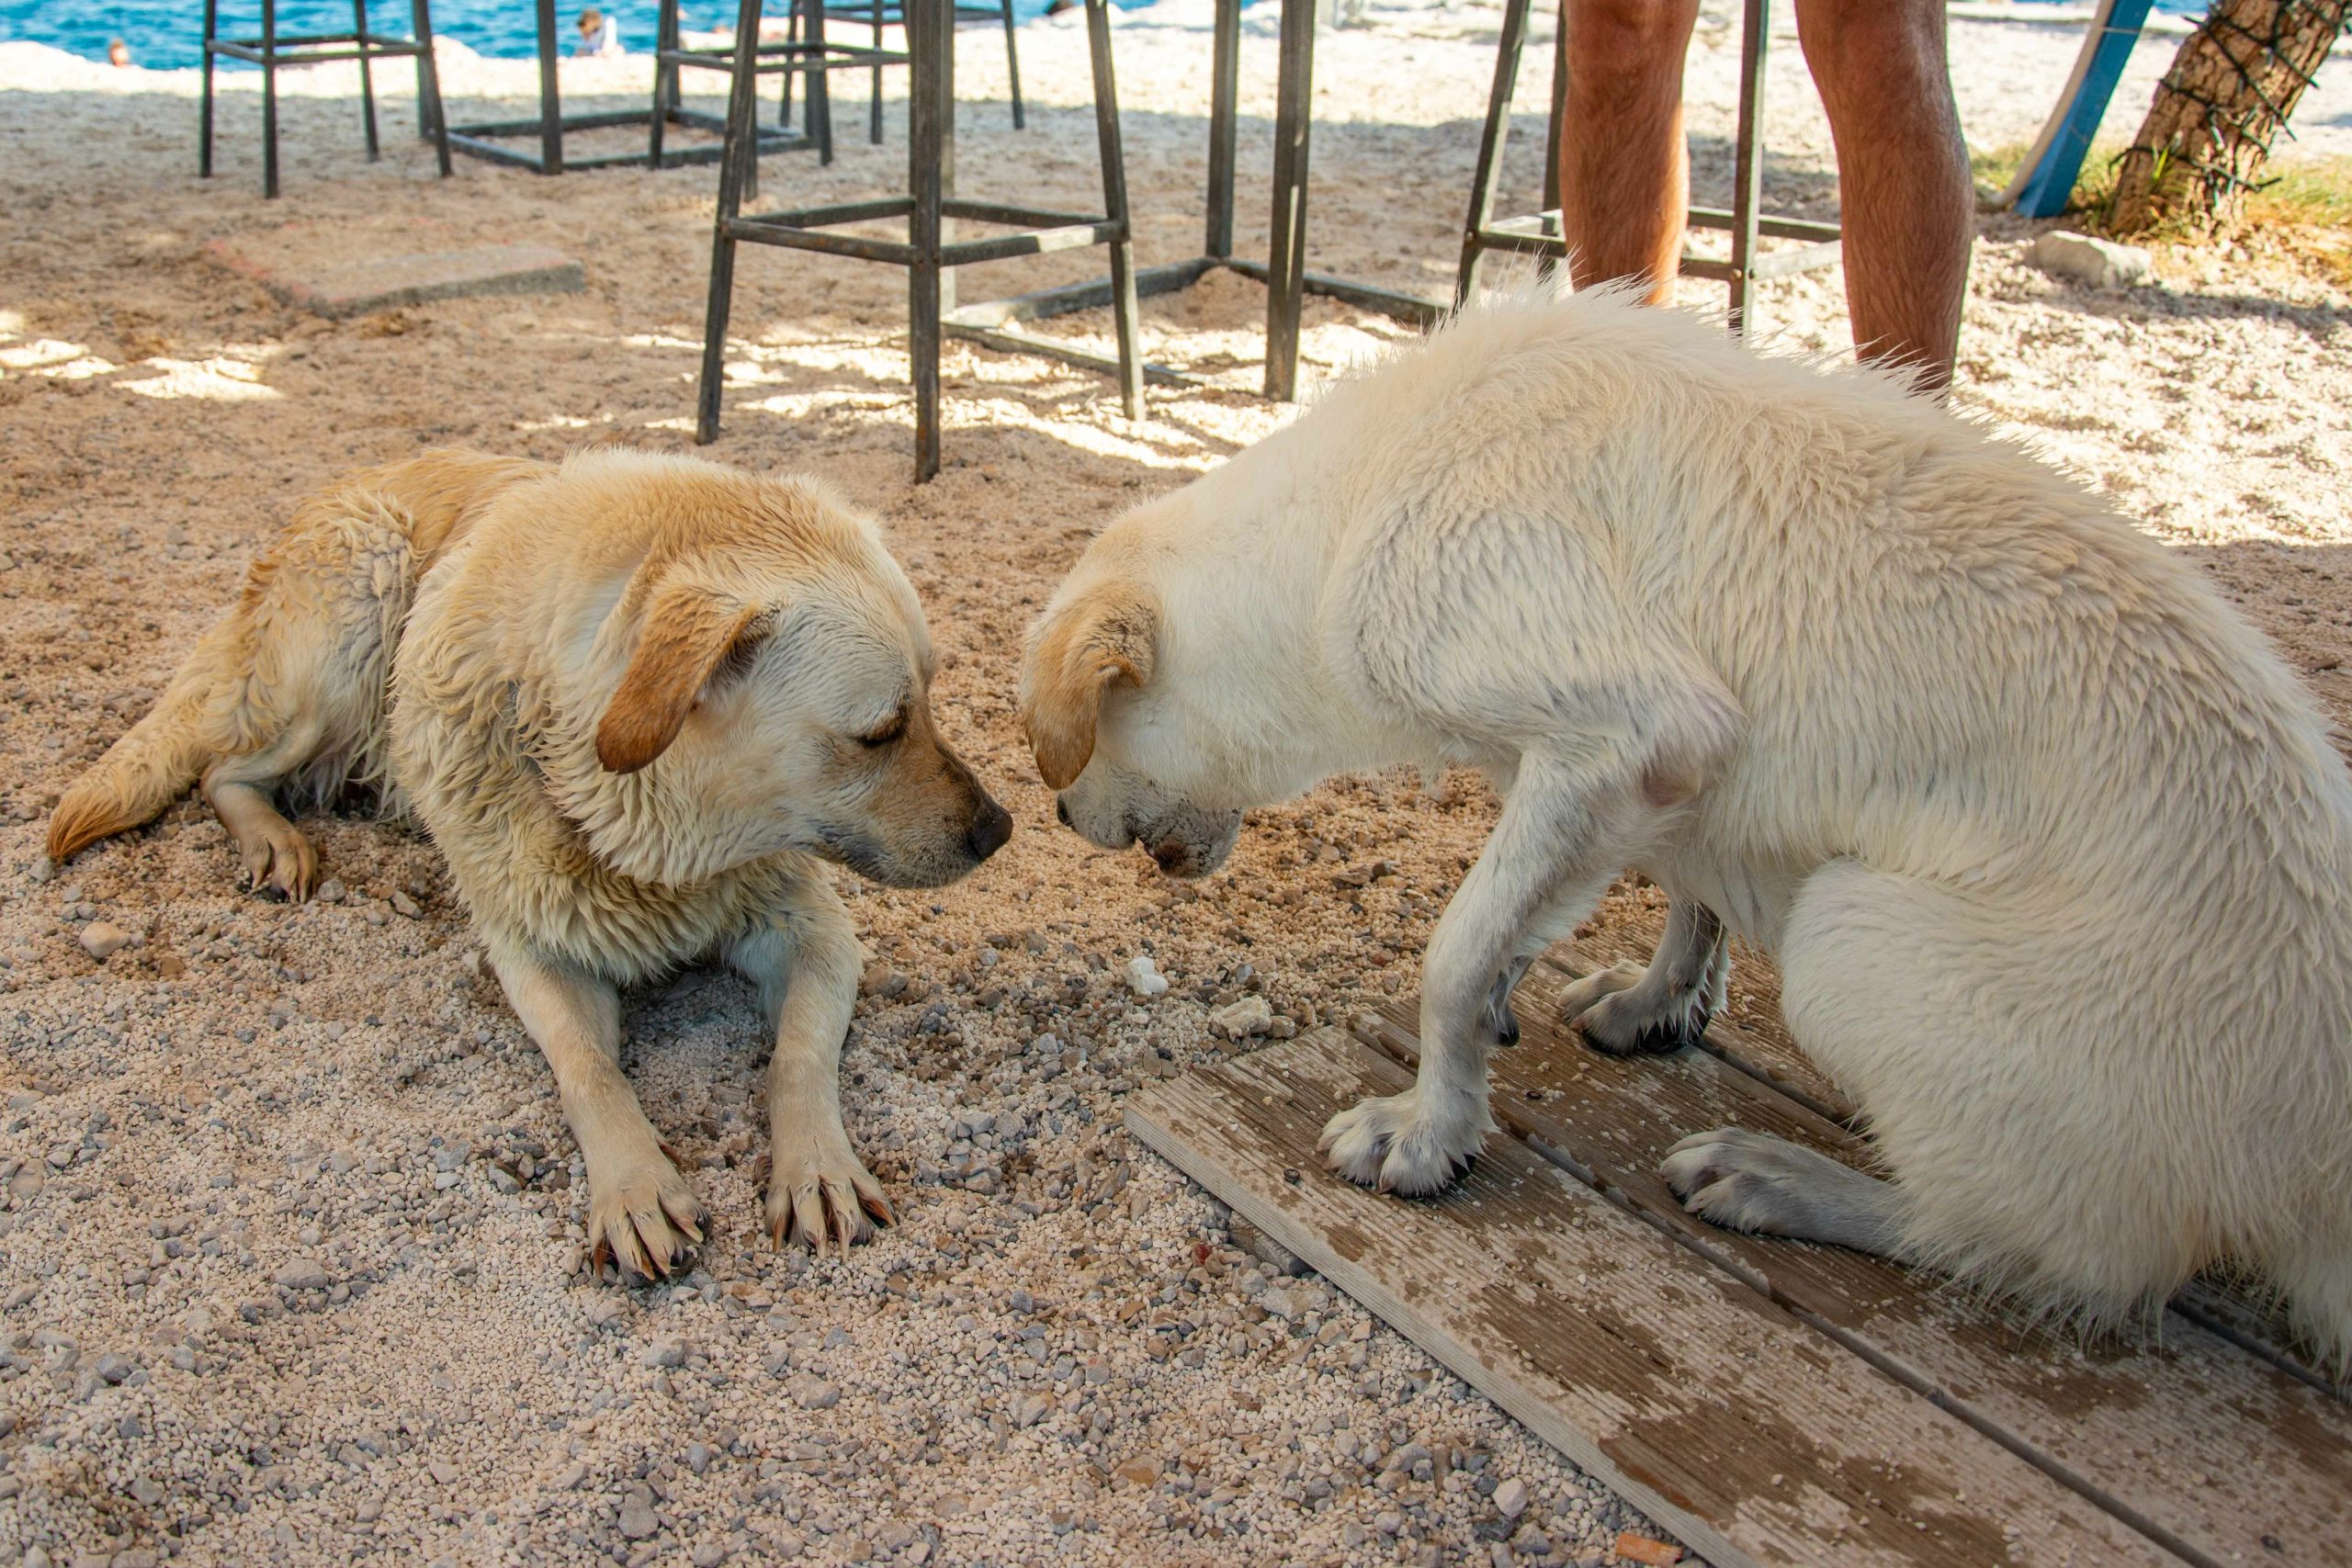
x,y
688,634
1106,634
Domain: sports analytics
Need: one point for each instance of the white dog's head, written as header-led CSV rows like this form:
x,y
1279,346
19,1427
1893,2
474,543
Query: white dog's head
x,y
1133,760
774,692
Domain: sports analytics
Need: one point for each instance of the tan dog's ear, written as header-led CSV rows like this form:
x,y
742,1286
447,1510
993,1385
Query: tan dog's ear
x,y
1105,635
688,632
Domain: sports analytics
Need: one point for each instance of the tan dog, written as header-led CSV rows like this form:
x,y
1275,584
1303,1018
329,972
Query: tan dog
x,y
2055,854
633,699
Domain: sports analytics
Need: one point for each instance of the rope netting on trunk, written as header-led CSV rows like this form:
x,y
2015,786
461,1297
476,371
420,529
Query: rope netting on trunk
x,y
2217,110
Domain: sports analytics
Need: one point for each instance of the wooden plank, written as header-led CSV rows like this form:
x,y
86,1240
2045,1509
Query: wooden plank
x,y
1712,1408
2202,1448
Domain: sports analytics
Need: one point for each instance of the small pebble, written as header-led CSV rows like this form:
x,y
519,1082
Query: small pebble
x,y
103,938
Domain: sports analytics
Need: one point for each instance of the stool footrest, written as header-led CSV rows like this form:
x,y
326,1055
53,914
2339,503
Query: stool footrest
x,y
805,229
316,50
775,59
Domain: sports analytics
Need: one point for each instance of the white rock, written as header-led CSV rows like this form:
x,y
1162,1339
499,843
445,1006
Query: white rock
x,y
1240,1019
2102,263
1510,1499
812,1393
1144,977
102,940
302,1275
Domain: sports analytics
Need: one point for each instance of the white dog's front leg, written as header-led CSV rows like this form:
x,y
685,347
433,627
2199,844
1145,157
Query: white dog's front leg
x,y
806,962
1564,834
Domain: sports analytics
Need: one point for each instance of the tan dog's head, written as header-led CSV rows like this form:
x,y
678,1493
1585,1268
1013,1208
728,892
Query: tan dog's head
x,y
774,693
1124,757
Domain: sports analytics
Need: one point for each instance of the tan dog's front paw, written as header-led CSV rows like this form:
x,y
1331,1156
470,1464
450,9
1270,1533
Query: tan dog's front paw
x,y
275,855
642,1216
819,1191
1390,1144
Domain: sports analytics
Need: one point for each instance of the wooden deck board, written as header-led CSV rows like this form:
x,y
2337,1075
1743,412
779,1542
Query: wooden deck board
x,y
1749,1034
1751,1434
2201,1447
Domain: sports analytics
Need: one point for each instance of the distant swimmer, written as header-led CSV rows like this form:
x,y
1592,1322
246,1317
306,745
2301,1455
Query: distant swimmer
x,y
600,36
118,54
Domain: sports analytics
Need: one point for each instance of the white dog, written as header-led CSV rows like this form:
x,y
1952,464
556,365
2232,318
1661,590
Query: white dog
x,y
2054,852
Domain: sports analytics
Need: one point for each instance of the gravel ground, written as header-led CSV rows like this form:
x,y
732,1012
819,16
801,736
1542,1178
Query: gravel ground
x,y
291,1223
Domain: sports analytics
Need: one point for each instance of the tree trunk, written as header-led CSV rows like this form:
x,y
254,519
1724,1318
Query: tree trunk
x,y
2228,94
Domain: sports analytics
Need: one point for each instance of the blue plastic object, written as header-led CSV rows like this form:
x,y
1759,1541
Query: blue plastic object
x,y
2042,187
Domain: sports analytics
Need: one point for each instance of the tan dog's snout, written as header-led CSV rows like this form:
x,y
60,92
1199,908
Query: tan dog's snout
x,y
990,824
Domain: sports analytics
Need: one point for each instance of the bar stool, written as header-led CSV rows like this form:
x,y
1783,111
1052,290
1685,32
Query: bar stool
x,y
270,52
1541,233
927,254
813,58
881,13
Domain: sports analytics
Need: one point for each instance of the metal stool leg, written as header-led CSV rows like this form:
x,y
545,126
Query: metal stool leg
x,y
204,135
1115,204
1490,148
1286,257
1224,88
429,84
784,94
821,88
269,99
1546,265
874,99
1748,180
931,153
1012,65
665,80
366,78
742,154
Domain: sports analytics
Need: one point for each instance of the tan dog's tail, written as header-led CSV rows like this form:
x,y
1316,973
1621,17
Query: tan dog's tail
x,y
156,762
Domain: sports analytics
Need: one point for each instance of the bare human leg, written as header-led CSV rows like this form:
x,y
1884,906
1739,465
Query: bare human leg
x,y
1625,167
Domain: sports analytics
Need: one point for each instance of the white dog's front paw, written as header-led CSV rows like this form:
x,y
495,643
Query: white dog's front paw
x,y
642,1214
1392,1144
819,1191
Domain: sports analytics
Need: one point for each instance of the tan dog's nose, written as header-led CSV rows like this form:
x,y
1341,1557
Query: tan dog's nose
x,y
991,825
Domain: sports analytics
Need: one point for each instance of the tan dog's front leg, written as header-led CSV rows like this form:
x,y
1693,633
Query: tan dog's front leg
x,y
641,1210
806,963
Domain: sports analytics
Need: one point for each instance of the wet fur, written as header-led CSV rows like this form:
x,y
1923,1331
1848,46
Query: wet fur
x,y
2055,854
624,695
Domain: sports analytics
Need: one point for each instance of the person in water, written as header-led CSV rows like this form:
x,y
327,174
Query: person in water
x,y
119,55
600,36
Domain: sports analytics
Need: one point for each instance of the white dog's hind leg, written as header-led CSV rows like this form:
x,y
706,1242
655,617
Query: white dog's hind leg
x,y
1564,834
1748,1181
806,962
1624,1011
641,1210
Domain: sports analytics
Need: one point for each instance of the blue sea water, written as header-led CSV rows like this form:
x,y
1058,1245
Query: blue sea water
x,y
164,33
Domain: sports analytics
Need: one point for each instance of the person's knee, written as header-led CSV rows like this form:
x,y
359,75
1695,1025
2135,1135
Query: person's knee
x,y
1628,37
1863,49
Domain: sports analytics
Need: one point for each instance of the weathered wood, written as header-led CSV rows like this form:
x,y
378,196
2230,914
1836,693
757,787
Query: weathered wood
x,y
1737,1426
1749,1035
2192,1441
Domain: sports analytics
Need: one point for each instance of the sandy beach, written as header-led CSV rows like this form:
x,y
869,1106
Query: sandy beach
x,y
289,1220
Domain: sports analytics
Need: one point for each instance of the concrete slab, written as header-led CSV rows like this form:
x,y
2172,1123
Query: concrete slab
x,y
354,287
